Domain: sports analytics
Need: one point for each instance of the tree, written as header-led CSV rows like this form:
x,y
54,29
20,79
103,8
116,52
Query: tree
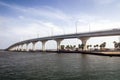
x,y
94,46
103,45
88,46
97,46
62,47
79,46
119,45
67,47
116,45
82,46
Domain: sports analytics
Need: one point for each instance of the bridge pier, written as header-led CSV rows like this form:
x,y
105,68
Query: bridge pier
x,y
43,45
84,41
21,47
27,47
16,48
33,47
12,49
58,44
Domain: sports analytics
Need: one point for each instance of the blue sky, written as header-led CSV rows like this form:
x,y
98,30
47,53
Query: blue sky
x,y
25,19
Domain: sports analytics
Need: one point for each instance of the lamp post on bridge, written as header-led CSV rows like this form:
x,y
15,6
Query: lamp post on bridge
x,y
76,25
51,31
37,35
89,27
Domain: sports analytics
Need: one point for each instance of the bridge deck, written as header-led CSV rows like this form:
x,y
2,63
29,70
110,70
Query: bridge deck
x,y
78,35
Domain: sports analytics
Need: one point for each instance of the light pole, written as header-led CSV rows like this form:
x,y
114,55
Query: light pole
x,y
76,26
37,35
89,26
51,31
63,31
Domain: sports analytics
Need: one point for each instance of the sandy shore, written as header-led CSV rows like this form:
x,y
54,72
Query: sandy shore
x,y
110,52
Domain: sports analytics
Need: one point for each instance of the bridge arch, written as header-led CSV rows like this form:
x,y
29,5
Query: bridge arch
x,y
38,46
30,46
24,47
71,42
51,45
98,40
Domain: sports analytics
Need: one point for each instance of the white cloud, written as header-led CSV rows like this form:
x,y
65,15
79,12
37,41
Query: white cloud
x,y
27,26
104,1
23,27
45,11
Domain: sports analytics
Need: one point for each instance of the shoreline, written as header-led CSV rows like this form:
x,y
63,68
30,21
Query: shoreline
x,y
102,53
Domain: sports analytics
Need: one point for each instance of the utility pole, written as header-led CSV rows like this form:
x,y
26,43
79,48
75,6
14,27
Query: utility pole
x,y
37,35
76,26
51,31
89,27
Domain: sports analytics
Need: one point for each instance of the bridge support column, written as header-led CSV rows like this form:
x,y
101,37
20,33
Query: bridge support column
x,y
33,47
27,47
43,45
18,47
84,41
21,47
12,49
58,44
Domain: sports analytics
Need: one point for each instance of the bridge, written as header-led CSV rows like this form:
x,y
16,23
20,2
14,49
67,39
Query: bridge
x,y
82,36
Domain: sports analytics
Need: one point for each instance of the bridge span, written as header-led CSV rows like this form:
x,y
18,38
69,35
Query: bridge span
x,y
82,36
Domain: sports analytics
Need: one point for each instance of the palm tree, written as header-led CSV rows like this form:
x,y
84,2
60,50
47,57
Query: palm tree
x,y
79,46
103,45
67,47
100,47
62,47
119,45
74,47
97,46
115,44
82,46
88,46
94,46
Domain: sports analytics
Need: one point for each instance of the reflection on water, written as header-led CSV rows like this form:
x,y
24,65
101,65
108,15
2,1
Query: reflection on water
x,y
53,66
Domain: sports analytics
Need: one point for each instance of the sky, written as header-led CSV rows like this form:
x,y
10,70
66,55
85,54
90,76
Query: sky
x,y
26,19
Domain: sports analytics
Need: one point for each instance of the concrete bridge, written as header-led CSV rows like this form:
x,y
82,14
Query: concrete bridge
x,y
82,36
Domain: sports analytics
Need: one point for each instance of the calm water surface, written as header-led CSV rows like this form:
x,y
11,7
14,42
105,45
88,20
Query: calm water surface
x,y
53,66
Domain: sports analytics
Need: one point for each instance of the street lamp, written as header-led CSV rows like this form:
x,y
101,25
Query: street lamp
x,y
51,31
76,26
89,27
63,31
37,35
76,23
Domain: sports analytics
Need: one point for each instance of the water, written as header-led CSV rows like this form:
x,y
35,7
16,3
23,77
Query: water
x,y
53,66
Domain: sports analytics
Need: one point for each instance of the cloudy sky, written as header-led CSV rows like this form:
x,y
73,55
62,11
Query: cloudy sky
x,y
26,19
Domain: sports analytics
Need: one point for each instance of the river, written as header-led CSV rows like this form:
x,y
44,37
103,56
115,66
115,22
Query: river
x,y
54,66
